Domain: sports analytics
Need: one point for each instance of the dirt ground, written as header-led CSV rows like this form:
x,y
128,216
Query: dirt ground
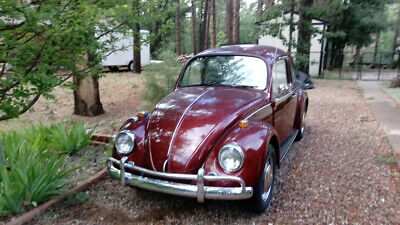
x,y
120,95
342,172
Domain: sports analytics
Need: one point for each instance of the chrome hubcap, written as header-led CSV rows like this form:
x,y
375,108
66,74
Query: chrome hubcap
x,y
268,178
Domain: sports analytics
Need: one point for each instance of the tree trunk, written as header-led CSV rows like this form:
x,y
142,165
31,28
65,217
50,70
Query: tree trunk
x,y
178,28
194,42
396,36
269,4
236,21
304,37
213,25
291,26
260,11
376,47
357,56
137,67
203,32
87,95
229,22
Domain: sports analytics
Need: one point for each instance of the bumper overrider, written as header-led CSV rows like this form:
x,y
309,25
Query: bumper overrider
x,y
199,191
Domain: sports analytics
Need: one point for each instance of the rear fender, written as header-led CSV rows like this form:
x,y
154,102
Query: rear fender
x,y
254,141
302,104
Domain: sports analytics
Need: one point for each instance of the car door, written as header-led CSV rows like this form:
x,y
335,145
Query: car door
x,y
284,97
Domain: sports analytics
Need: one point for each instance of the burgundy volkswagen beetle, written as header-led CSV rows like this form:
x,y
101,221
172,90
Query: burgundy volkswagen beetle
x,y
221,133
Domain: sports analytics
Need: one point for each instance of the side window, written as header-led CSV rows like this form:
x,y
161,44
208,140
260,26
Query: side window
x,y
280,80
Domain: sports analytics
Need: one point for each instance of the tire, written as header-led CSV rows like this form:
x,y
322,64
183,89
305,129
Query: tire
x,y
301,132
265,185
130,66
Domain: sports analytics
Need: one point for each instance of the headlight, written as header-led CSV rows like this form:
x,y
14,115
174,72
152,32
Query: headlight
x,y
125,141
230,157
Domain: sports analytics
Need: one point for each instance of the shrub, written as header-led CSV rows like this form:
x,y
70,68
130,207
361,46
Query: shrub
x,y
31,175
160,78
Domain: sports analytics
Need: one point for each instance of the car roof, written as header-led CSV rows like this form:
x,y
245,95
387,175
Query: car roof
x,y
265,52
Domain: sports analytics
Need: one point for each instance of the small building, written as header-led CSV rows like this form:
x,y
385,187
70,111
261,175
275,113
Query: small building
x,y
318,41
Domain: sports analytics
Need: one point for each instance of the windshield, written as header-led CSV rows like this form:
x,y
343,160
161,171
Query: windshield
x,y
236,71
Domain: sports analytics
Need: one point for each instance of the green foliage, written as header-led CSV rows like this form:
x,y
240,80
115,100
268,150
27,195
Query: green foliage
x,y
32,173
160,78
41,38
70,140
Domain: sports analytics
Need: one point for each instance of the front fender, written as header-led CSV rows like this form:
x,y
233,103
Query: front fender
x,y
254,141
138,127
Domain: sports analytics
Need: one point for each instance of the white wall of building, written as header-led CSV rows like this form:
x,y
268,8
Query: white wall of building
x,y
316,43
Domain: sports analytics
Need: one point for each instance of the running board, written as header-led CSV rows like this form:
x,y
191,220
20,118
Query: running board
x,y
287,143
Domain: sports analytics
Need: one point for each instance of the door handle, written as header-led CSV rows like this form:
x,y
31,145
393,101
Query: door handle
x,y
294,95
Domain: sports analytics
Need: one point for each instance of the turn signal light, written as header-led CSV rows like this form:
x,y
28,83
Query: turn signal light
x,y
142,114
243,123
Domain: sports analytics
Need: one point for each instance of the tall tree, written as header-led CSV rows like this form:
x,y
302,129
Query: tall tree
x,y
229,20
194,41
137,62
204,27
236,22
396,44
178,28
213,24
291,26
260,5
304,35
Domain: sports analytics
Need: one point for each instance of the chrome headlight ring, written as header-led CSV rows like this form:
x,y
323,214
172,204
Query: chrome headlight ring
x,y
231,157
125,142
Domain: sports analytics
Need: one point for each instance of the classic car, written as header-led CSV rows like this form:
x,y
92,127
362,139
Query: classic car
x,y
222,132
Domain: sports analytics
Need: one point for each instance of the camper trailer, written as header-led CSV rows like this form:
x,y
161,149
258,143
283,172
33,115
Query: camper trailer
x,y
124,56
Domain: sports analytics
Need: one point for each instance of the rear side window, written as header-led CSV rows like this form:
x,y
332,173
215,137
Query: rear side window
x,y
280,80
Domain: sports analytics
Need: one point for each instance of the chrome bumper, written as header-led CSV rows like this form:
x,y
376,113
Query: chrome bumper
x,y
198,191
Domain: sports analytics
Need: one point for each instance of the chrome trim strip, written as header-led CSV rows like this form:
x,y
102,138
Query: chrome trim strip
x,y
281,99
181,119
198,191
258,110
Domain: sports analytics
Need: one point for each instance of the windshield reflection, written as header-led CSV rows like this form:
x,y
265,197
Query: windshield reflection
x,y
236,71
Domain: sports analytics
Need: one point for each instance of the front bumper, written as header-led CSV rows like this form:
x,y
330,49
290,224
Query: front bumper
x,y
199,191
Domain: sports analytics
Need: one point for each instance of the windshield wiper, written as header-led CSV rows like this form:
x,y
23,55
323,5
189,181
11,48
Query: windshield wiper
x,y
212,83
244,86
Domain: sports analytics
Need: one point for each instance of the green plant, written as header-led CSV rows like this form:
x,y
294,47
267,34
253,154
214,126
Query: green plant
x,y
70,140
387,160
160,79
31,175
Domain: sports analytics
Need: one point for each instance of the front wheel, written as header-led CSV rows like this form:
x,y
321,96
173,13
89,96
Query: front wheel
x,y
264,187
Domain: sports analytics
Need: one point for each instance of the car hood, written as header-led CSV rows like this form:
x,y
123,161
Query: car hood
x,y
187,123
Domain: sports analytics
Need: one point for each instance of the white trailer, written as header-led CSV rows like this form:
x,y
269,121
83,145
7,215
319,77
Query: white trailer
x,y
124,56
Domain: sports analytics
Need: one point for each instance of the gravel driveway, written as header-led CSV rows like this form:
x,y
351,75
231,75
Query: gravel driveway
x,y
342,172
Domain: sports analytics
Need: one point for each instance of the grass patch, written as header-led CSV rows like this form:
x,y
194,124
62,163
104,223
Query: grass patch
x,y
386,160
393,92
